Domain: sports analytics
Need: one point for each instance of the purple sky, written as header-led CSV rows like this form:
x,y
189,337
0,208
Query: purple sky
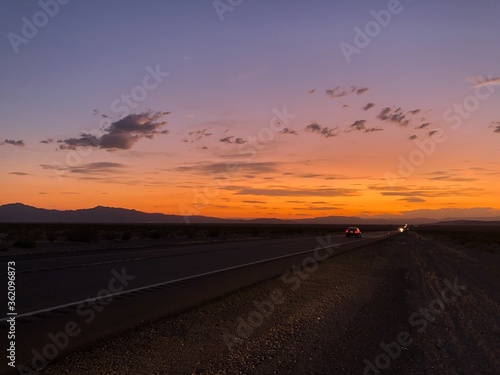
x,y
222,75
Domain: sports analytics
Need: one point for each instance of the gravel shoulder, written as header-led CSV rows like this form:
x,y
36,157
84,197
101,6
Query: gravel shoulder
x,y
337,318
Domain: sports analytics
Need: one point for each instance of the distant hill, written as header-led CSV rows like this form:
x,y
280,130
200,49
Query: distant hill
x,y
21,213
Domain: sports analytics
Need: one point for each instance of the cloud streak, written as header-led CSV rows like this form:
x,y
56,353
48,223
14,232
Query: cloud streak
x,y
12,142
338,192
323,131
337,92
232,140
481,82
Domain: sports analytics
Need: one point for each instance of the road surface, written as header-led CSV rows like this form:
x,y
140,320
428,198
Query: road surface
x,y
65,301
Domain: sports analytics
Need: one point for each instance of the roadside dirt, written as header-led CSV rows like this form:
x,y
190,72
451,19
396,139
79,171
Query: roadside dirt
x,y
407,305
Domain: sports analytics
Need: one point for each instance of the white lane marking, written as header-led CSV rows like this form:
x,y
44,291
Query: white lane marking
x,y
49,309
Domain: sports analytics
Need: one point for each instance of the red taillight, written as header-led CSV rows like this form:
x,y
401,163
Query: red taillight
x,y
347,230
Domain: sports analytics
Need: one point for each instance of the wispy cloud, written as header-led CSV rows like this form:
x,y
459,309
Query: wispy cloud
x,y
357,125
496,126
12,142
396,116
122,134
339,192
368,106
422,126
19,173
232,140
412,137
197,135
288,131
371,130
420,191
243,168
90,168
324,131
412,200
479,81
337,92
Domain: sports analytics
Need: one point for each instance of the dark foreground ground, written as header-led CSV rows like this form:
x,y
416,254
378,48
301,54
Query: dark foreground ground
x,y
413,304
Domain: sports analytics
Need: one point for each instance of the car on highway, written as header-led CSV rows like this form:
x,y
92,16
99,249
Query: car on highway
x,y
353,231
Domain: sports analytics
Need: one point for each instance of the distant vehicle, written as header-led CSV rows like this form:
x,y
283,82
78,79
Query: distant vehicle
x,y
353,231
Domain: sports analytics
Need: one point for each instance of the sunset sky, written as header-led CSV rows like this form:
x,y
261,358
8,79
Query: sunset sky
x,y
281,109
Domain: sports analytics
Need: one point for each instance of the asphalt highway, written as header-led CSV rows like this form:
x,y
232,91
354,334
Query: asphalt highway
x,y
109,291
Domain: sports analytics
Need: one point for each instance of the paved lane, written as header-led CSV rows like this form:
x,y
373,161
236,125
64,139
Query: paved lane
x,y
94,295
44,283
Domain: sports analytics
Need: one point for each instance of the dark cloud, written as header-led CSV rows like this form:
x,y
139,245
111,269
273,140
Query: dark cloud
x,y
122,134
337,92
19,173
371,130
368,106
424,125
358,125
47,141
288,131
324,131
309,175
198,135
338,192
230,168
432,132
412,137
496,126
311,91
414,112
384,114
412,200
316,208
85,140
255,202
395,116
90,168
232,140
420,191
19,143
